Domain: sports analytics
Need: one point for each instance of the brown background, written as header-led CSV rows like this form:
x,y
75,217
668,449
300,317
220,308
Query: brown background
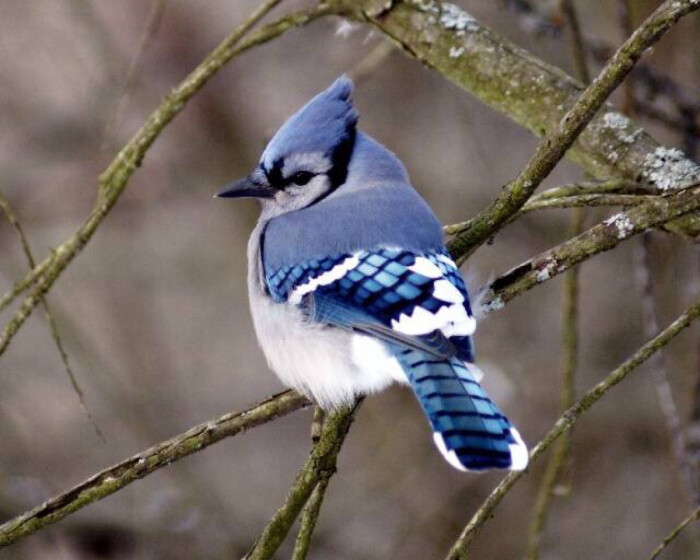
x,y
155,316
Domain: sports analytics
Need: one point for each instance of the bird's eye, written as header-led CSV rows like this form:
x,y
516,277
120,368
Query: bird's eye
x,y
302,177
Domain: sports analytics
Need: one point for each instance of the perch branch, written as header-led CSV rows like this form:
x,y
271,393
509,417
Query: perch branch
x,y
115,478
567,420
320,464
309,518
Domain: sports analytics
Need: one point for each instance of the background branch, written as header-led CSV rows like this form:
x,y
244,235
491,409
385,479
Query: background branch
x,y
53,326
602,237
115,179
567,420
675,532
560,459
122,474
531,92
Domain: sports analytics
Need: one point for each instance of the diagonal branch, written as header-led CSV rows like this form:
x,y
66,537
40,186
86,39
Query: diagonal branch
x,y
551,150
309,518
122,474
320,464
116,177
694,516
602,237
567,420
53,326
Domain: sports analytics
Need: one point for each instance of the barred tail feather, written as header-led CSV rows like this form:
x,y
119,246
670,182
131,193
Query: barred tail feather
x,y
469,429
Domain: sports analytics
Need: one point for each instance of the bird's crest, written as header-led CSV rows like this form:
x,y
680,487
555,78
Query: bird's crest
x,y
324,124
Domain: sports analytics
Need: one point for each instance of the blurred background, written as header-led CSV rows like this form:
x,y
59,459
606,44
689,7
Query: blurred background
x,y
155,318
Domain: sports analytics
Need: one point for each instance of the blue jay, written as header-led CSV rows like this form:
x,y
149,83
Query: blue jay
x,y
351,287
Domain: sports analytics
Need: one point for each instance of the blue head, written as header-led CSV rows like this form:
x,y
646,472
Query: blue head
x,y
308,157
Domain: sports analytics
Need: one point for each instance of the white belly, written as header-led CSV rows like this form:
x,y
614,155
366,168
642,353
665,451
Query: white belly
x,y
329,365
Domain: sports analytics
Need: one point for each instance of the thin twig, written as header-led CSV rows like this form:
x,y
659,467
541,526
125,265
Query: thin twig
x,y
317,424
115,478
372,60
53,326
566,421
150,29
664,393
321,463
601,237
115,179
561,456
673,534
309,518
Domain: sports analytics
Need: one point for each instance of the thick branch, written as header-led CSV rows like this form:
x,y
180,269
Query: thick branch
x,y
566,421
115,478
529,91
600,238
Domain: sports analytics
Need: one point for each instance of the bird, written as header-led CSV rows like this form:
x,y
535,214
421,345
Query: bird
x,y
351,288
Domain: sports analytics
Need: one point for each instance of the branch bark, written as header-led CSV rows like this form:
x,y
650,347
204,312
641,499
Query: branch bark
x,y
320,464
122,474
600,238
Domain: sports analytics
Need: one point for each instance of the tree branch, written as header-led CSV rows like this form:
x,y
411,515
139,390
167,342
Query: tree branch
x,y
673,534
53,326
309,518
550,151
116,177
320,464
600,238
566,421
529,91
122,474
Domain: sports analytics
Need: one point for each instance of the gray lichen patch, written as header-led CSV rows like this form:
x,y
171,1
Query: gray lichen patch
x,y
451,16
669,168
622,224
456,52
614,119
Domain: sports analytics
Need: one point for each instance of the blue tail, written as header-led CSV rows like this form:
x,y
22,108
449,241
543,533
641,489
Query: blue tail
x,y
469,429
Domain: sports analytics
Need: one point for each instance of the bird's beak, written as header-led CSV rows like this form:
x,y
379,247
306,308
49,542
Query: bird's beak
x,y
246,188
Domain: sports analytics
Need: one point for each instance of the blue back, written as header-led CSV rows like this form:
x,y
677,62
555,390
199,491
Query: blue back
x,y
375,207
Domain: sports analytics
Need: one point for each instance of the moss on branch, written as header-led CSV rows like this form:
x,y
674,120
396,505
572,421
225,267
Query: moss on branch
x,y
122,474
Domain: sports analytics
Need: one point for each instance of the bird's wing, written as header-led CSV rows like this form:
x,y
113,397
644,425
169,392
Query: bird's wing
x,y
417,301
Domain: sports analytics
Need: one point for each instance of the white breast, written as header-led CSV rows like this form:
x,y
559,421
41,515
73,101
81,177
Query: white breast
x,y
328,364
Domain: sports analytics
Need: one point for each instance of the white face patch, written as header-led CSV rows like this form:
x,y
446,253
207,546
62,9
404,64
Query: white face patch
x,y
314,162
